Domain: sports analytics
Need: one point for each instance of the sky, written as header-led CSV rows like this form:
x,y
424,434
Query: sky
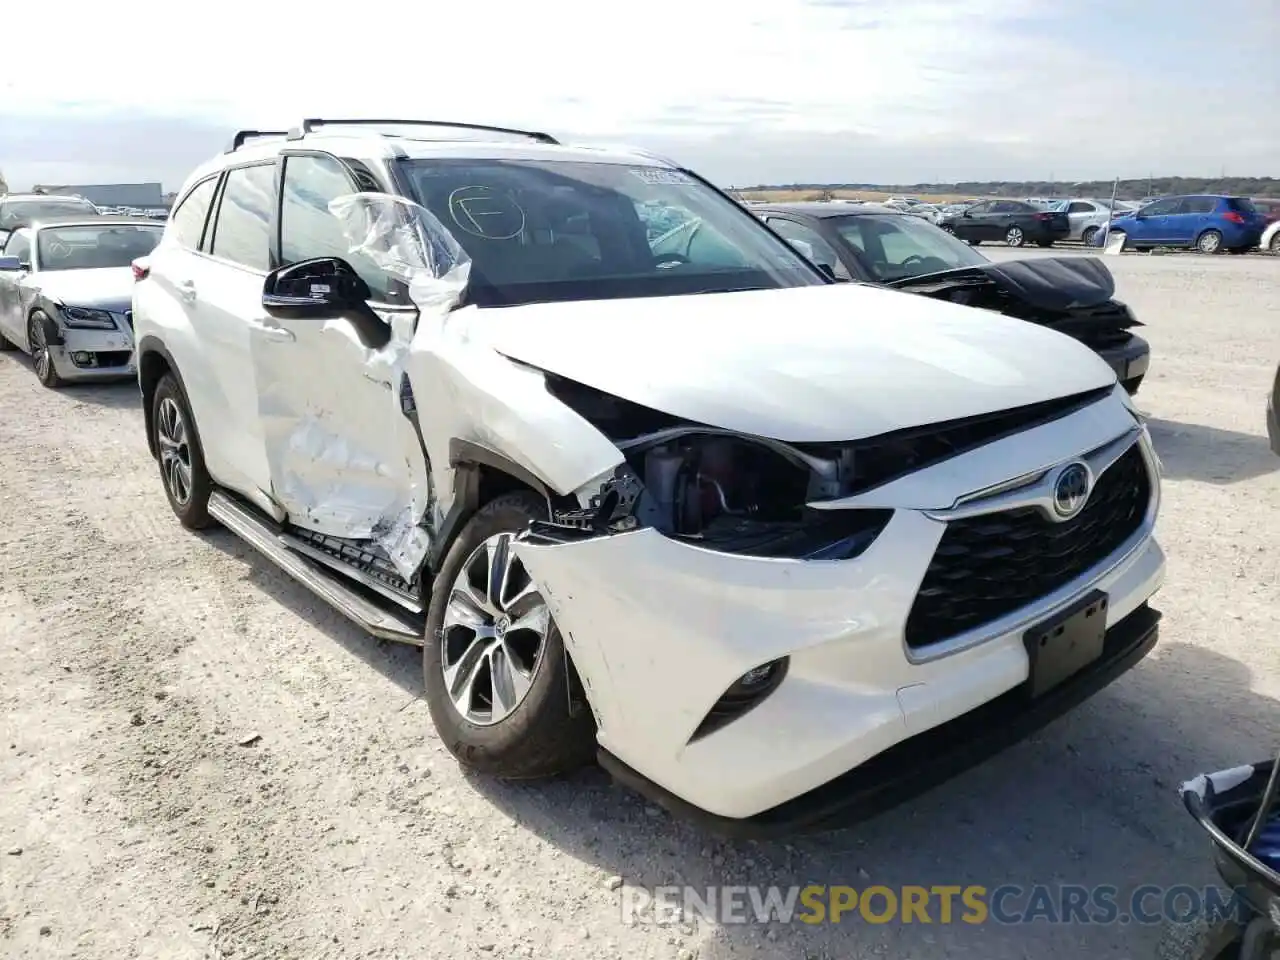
x,y
753,91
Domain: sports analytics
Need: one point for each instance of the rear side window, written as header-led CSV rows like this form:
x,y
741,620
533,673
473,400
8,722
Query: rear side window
x,y
1241,205
188,219
1079,206
242,230
1198,205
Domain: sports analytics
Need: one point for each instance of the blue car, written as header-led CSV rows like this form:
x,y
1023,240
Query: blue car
x,y
1206,223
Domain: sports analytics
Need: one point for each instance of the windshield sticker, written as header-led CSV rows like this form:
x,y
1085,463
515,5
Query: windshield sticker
x,y
484,212
662,175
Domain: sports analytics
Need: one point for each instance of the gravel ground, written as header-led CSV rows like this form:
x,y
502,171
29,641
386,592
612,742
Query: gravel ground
x,y
201,761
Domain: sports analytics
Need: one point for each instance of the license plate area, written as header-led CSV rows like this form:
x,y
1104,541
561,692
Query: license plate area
x,y
1066,643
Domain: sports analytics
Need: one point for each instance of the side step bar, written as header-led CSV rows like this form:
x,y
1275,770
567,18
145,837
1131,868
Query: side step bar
x,y
248,527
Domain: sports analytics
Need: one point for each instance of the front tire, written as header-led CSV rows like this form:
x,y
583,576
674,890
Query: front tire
x,y
498,683
187,483
1090,234
41,358
1014,237
1274,245
1209,242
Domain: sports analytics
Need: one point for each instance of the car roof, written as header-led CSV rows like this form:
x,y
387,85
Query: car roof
x,y
822,211
374,142
37,223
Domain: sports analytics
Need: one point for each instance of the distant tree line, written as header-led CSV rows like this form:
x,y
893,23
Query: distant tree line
x,y
1135,189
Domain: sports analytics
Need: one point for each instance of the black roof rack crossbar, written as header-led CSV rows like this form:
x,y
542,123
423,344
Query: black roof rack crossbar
x,y
311,124
239,139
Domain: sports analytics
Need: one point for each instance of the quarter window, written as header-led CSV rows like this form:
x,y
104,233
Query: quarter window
x,y
308,229
188,219
242,231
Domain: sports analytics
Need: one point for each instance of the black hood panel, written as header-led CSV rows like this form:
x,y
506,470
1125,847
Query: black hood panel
x,y
1055,283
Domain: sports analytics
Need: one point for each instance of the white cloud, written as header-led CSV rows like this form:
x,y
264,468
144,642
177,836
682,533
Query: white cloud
x,y
914,89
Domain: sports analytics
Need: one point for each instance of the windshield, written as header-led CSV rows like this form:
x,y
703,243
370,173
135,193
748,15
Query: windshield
x,y
95,247
568,230
896,247
22,211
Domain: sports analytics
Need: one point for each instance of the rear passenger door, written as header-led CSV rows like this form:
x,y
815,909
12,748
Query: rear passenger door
x,y
1191,216
343,457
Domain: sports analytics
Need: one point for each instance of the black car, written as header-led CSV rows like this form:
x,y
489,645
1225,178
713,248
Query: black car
x,y
1014,222
871,243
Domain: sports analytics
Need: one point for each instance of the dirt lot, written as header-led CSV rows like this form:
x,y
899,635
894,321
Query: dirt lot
x,y
200,761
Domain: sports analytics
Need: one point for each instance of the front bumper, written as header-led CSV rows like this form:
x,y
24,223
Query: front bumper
x,y
92,354
1130,360
924,761
660,629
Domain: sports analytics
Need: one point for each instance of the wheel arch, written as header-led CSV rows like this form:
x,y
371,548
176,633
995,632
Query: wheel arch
x,y
154,361
479,475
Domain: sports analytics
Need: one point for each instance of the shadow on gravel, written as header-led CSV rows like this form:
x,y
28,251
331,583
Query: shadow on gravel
x,y
1092,800
1192,451
398,662
117,395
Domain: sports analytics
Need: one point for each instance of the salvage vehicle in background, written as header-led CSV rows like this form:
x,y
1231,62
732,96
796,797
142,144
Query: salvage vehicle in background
x,y
66,287
664,498
1270,239
875,244
1273,415
1210,224
1087,216
16,208
1013,221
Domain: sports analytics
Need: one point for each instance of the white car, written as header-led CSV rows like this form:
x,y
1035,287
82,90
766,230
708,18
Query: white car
x,y
775,550
66,287
1271,238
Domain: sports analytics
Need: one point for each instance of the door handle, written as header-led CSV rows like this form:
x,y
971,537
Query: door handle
x,y
276,334
187,290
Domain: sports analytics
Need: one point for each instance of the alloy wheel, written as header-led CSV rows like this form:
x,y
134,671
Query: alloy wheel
x,y
1210,242
1014,237
40,358
175,450
494,633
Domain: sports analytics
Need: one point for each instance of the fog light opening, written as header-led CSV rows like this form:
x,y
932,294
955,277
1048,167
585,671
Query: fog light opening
x,y
82,359
745,693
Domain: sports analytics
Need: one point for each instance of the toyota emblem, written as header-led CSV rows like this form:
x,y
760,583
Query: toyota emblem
x,y
1071,490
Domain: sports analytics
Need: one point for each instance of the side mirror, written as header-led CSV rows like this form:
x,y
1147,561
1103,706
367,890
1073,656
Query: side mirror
x,y
318,288
11,265
803,248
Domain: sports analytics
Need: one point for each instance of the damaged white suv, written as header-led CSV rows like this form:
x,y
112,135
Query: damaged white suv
x,y
777,551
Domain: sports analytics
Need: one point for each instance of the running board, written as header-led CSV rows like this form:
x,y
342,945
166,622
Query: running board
x,y
381,623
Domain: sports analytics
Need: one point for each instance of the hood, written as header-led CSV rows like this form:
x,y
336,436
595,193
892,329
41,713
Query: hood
x,y
1049,283
820,364
109,288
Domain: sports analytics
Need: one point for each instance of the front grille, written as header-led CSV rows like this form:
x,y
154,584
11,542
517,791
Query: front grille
x,y
992,565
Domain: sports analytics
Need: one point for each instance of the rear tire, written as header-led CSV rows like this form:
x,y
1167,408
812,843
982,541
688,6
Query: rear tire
x,y
540,731
1014,237
187,483
1274,245
1090,234
1209,242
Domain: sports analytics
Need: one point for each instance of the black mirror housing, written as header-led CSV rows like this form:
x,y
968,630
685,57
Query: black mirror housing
x,y
316,288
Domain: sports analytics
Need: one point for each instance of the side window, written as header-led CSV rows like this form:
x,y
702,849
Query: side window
x,y
19,245
242,230
981,209
823,252
1079,206
188,219
1160,208
1198,205
308,229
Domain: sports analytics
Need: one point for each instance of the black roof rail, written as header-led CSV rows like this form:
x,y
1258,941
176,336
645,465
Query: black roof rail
x,y
239,139
310,125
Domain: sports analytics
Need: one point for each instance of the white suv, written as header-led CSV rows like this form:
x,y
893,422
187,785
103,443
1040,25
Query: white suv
x,y
777,551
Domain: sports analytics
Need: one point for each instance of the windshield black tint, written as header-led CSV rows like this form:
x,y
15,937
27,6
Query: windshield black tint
x,y
893,247
567,230
95,247
24,211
